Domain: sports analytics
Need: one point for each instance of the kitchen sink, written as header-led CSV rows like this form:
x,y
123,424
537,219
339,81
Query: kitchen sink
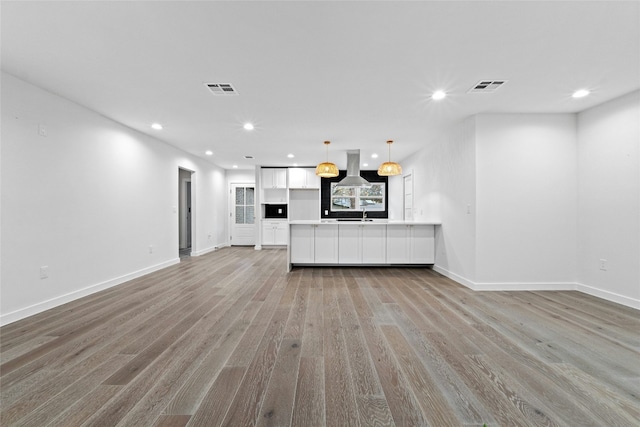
x,y
354,219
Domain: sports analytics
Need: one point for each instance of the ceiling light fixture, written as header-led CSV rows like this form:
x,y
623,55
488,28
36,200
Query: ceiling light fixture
x,y
235,166
437,95
580,93
291,156
327,169
248,126
209,153
389,168
374,156
156,126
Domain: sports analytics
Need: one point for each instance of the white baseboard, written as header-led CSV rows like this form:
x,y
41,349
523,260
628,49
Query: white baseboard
x,y
203,251
7,318
507,286
209,249
609,296
539,286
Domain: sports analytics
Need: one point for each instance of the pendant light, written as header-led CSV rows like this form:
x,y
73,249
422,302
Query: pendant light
x,y
327,169
389,168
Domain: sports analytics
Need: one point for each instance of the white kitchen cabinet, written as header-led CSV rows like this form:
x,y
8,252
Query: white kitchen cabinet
x,y
326,244
303,178
273,178
275,232
362,244
423,244
302,244
410,244
374,247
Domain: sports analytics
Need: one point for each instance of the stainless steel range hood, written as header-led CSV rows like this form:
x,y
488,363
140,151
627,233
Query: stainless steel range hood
x,y
353,178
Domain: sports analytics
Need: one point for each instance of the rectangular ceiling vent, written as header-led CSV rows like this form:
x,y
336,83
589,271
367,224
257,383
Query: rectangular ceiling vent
x,y
248,157
222,89
487,86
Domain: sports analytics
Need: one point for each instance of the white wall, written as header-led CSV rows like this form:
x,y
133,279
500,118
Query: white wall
x,y
444,175
526,200
87,200
609,200
556,193
241,176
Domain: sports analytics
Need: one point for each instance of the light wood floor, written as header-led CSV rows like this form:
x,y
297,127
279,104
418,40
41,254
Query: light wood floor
x,y
230,338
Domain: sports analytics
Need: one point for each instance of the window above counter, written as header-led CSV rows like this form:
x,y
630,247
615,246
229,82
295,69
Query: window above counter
x,y
352,202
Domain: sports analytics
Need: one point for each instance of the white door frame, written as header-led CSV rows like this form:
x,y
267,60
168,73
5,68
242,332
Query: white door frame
x,y
182,201
407,204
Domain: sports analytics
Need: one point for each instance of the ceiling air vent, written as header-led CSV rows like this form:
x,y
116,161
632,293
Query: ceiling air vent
x,y
248,157
222,89
487,86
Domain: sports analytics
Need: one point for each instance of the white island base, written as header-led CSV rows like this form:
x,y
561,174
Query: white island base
x,y
361,243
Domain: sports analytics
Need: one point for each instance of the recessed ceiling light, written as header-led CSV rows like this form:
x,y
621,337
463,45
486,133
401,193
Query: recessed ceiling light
x,y
209,153
580,93
438,95
295,164
374,156
156,126
248,126
291,156
365,164
235,166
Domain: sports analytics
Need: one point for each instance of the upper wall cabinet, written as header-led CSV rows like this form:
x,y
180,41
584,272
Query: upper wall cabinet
x,y
274,178
303,178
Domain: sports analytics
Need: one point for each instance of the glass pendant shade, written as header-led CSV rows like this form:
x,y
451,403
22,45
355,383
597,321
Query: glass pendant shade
x,y
389,168
327,169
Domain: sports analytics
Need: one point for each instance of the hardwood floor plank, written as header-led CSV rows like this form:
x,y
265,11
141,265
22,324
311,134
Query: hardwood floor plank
x,y
469,410
363,374
309,407
42,410
215,404
295,324
312,337
340,401
229,337
139,363
172,421
374,411
402,402
277,406
194,389
245,408
83,409
435,407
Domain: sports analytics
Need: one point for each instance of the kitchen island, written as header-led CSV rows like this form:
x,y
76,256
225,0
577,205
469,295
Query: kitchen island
x,y
361,242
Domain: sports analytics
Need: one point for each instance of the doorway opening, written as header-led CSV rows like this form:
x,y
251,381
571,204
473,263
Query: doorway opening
x,y
185,214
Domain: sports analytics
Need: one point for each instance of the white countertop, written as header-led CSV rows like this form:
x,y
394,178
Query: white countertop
x,y
372,221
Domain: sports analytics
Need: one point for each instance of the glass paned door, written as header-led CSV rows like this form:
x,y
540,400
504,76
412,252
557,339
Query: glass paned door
x,y
243,214
244,205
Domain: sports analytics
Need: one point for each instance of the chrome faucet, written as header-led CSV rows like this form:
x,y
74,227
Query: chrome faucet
x,y
364,214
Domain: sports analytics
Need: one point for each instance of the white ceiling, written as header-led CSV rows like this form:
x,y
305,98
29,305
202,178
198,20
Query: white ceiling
x,y
355,73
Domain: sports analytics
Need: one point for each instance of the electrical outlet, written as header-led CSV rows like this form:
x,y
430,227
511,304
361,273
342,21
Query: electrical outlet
x,y
42,129
44,271
150,249
468,209
603,264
